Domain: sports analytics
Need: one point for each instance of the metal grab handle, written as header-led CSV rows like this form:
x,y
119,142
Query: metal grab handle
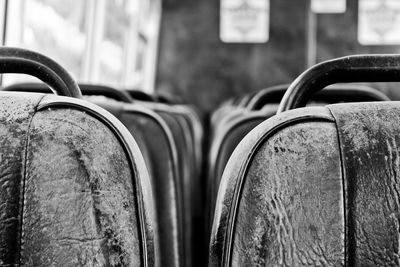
x,y
270,95
17,60
358,68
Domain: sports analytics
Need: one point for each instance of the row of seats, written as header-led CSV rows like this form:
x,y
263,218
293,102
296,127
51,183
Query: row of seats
x,y
92,187
95,176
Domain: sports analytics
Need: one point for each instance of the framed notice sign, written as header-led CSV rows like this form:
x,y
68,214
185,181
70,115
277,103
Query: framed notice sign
x,y
244,21
379,22
328,6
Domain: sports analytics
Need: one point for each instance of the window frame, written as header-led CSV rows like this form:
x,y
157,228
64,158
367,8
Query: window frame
x,y
144,26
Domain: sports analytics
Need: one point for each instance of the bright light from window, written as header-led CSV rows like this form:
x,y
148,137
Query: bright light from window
x,y
97,41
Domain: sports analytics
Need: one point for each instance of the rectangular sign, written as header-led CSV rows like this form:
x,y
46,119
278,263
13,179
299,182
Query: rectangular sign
x,y
379,22
328,6
244,21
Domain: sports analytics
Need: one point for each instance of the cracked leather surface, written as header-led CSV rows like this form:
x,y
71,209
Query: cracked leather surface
x,y
15,116
226,240
73,203
369,137
320,193
291,208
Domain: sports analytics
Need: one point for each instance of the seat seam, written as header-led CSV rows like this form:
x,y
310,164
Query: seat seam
x,y
23,180
344,189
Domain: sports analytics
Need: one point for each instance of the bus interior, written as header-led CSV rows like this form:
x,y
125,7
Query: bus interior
x,y
199,133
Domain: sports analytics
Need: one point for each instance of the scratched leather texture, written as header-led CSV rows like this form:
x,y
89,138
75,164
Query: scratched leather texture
x,y
320,193
67,188
291,207
370,140
258,218
15,116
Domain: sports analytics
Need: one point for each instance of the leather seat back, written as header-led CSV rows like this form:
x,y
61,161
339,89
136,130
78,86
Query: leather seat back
x,y
74,187
315,186
157,145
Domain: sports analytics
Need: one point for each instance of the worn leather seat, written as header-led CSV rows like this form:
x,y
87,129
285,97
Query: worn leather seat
x,y
262,106
74,187
180,131
157,145
315,186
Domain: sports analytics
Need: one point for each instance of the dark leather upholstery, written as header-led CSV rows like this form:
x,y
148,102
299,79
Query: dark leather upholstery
x,y
179,132
369,141
156,137
74,189
187,133
313,187
234,127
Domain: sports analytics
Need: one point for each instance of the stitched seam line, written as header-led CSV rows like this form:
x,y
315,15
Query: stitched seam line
x,y
344,194
22,195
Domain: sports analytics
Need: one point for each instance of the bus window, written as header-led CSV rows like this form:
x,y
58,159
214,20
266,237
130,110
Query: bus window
x,y
115,42
50,27
98,41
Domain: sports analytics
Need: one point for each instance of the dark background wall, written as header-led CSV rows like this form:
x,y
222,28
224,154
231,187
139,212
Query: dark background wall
x,y
196,65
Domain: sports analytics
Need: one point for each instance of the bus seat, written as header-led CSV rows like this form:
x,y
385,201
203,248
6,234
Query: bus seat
x,y
180,132
262,106
316,185
74,187
159,151
187,132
